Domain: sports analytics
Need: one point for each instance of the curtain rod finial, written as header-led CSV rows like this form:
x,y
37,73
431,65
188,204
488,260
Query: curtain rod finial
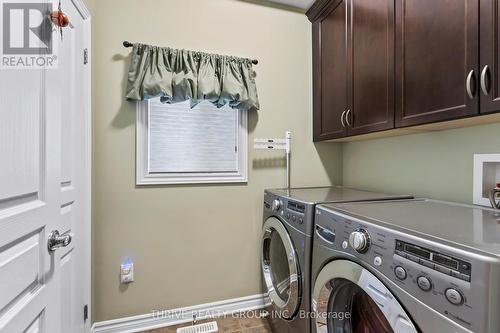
x,y
127,44
255,62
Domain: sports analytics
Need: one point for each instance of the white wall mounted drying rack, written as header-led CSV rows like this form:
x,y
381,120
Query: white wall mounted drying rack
x,y
278,144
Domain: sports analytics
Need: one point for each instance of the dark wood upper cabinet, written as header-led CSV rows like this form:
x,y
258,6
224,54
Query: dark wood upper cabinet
x,y
353,61
370,66
384,64
437,57
330,72
489,76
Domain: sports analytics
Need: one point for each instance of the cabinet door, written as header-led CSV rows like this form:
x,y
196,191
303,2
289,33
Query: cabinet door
x,y
490,56
436,60
330,72
371,66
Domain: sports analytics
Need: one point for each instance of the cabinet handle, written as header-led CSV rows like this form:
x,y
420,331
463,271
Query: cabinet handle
x,y
347,117
342,118
468,85
484,86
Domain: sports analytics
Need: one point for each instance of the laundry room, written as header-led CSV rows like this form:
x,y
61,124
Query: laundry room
x,y
249,166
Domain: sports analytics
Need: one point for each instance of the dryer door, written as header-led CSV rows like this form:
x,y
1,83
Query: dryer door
x,y
280,268
347,298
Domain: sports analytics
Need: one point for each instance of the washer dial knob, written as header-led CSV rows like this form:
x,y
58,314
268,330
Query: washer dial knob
x,y
359,240
276,205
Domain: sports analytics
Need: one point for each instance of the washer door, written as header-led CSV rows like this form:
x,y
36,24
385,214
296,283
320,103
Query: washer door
x,y
280,268
349,299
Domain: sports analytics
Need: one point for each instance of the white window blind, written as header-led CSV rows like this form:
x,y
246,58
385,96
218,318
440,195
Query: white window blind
x,y
203,139
177,144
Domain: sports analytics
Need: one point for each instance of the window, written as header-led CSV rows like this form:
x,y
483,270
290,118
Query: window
x,y
180,145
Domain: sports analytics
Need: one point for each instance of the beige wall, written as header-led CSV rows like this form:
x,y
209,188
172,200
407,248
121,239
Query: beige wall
x,y
194,244
436,165
90,5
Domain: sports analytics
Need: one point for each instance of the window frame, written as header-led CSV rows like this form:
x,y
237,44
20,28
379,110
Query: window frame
x,y
145,177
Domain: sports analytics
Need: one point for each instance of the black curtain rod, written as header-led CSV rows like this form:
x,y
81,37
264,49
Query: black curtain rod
x,y
129,44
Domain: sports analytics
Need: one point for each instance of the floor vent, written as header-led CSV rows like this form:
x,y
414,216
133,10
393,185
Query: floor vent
x,y
201,328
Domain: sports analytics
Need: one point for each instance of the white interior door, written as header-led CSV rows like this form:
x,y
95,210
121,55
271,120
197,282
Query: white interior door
x,y
29,202
45,186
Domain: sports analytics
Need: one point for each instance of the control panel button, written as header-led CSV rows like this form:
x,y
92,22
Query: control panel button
x,y
454,296
464,277
424,283
377,261
276,205
301,220
287,216
401,254
294,218
427,263
443,270
460,276
465,267
400,272
412,258
345,245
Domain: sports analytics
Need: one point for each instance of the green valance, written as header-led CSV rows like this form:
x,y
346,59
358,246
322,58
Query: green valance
x,y
180,75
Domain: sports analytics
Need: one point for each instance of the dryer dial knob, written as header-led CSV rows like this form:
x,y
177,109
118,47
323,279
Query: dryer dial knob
x,y
276,205
359,240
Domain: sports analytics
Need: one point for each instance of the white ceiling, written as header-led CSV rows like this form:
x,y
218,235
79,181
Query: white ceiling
x,y
302,4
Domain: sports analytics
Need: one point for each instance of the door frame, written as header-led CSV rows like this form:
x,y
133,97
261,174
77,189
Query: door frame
x,y
86,242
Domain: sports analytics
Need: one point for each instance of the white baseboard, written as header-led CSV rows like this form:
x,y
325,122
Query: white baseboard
x,y
164,318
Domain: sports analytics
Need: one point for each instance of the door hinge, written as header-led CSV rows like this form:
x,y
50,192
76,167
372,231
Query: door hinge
x,y
85,56
85,312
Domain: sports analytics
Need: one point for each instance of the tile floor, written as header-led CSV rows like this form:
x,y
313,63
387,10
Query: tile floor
x,y
247,323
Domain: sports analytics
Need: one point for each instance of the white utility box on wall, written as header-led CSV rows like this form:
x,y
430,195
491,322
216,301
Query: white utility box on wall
x,y
486,176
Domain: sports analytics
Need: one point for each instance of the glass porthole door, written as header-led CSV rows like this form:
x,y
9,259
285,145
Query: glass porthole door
x,y
280,268
347,298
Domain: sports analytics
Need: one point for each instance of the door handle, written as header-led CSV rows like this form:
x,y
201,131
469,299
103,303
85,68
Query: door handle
x,y
468,85
342,119
325,234
484,86
56,241
347,117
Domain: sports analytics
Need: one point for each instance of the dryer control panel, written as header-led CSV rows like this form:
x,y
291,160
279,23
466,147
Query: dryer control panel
x,y
297,214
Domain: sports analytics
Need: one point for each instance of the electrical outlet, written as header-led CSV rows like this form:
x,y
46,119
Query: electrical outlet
x,y
127,271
